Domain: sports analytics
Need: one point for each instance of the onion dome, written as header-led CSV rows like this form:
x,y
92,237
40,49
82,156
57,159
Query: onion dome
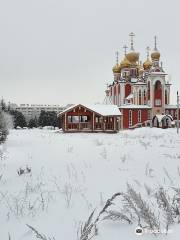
x,y
116,68
155,56
147,64
125,63
133,57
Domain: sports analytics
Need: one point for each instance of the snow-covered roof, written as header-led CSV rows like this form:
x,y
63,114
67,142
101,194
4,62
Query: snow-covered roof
x,y
140,83
101,109
171,106
158,73
161,116
130,96
128,106
134,80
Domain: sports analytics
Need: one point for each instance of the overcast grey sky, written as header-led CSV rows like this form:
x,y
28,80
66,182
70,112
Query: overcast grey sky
x,y
62,51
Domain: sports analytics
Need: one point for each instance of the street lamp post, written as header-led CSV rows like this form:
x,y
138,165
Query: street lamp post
x,y
177,113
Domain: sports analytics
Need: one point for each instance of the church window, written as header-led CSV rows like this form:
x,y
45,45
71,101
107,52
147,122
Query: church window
x,y
158,85
144,96
148,90
158,102
139,97
166,97
130,117
127,90
139,115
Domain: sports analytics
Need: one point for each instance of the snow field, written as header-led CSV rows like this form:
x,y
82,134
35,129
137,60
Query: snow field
x,y
72,174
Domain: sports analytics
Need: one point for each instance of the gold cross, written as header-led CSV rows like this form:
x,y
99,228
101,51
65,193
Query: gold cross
x,y
117,57
125,49
132,42
147,49
155,43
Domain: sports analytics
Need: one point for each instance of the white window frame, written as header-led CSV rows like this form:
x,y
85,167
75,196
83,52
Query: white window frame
x,y
157,102
130,118
139,116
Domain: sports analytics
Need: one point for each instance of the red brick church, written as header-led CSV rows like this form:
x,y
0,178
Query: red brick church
x,y
140,91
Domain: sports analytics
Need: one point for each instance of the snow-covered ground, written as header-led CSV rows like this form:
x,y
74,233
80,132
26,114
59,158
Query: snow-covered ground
x,y
73,174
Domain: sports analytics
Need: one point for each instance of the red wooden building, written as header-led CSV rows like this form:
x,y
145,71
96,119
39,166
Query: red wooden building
x,y
90,118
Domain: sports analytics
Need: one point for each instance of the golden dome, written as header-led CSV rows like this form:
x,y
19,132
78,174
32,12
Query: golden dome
x,y
116,68
133,57
147,64
155,55
125,63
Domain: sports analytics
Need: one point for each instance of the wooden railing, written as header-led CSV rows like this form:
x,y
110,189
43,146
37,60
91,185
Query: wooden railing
x,y
73,126
88,126
109,126
79,126
98,126
85,126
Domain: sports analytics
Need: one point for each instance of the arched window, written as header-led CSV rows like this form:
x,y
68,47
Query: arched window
x,y
114,97
127,90
118,89
158,85
130,118
115,90
148,90
139,116
166,97
144,96
158,94
140,97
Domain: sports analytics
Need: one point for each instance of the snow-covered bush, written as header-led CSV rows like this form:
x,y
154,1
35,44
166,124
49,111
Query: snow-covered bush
x,y
156,213
140,208
3,127
6,123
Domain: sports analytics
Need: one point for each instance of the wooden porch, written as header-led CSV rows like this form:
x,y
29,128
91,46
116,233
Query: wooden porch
x,y
104,126
83,119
